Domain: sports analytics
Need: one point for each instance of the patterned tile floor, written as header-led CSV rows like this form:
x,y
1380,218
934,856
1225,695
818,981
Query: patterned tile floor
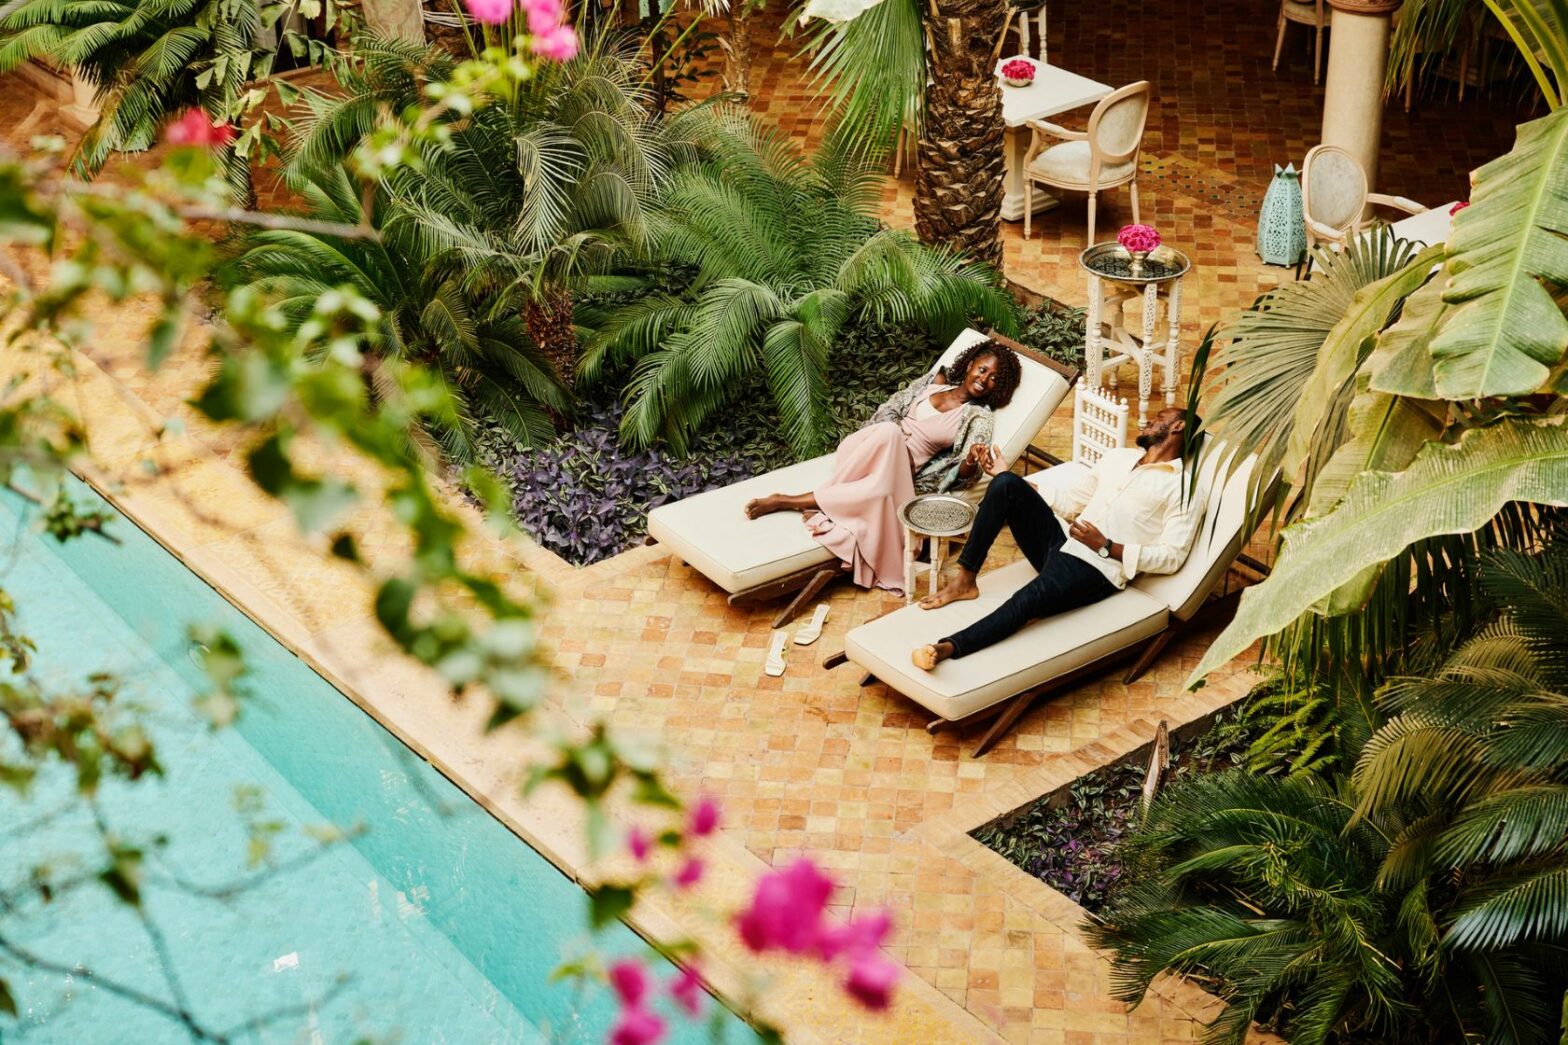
x,y
812,762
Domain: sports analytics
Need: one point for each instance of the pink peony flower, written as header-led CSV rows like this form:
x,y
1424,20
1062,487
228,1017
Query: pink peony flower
x,y
557,45
786,909
686,989
637,1026
639,843
1018,69
871,980
490,12
195,128
862,936
630,982
1456,208
689,874
705,817
1138,237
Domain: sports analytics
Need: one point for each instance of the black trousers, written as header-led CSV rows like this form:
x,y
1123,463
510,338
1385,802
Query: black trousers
x,y
1065,583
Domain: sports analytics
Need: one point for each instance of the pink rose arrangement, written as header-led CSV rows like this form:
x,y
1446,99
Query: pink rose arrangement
x,y
1456,208
1138,239
1018,69
194,128
549,35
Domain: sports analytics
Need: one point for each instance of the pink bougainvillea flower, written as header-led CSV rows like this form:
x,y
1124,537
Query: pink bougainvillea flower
x,y
862,936
557,45
689,874
1456,208
786,909
630,982
637,1026
490,12
686,989
639,843
543,15
195,128
871,981
1138,237
704,817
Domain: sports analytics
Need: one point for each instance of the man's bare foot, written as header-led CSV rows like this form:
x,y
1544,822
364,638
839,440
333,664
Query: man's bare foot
x,y
760,506
928,657
958,589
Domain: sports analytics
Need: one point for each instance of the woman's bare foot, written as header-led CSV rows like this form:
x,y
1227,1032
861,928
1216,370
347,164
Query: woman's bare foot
x,y
781,502
760,506
958,589
928,657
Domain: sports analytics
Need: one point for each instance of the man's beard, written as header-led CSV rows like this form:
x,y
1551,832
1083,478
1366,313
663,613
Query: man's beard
x,y
1146,440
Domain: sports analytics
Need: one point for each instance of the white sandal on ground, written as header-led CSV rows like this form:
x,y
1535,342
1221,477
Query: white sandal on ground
x,y
774,665
811,631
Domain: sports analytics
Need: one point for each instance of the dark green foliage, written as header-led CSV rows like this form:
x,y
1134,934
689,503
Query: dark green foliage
x,y
1074,847
1421,899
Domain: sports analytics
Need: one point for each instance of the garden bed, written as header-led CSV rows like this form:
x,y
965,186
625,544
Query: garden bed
x,y
1068,839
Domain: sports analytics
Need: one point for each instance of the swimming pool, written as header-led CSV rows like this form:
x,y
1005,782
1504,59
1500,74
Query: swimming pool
x,y
434,923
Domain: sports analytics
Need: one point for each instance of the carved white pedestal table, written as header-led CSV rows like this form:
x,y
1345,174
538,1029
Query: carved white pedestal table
x,y
1115,278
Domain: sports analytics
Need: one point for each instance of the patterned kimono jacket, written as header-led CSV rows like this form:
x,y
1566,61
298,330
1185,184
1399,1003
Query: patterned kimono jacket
x,y
976,424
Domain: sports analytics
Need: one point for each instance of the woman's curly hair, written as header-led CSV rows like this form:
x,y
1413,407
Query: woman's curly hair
x,y
1009,371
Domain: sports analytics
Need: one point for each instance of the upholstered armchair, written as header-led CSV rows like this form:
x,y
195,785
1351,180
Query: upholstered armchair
x,y
1101,157
1334,197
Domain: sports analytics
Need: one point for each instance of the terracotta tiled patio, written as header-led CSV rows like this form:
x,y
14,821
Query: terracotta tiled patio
x,y
812,762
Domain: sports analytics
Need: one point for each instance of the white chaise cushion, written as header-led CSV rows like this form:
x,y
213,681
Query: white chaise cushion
x,y
1042,651
710,530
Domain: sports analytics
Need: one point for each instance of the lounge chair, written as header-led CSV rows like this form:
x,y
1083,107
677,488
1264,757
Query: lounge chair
x,y
756,560
1004,680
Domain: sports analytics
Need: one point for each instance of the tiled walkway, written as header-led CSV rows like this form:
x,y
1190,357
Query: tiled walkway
x,y
812,762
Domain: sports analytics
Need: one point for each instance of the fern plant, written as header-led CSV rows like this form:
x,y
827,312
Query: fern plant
x,y
1423,897
150,59
788,252
534,193
428,315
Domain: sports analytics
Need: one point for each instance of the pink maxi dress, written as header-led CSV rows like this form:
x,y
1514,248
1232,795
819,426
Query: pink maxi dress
x,y
873,476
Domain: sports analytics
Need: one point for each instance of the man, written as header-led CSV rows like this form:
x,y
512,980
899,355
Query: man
x,y
1130,514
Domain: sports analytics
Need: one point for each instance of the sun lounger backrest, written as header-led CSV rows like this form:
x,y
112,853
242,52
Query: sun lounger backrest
x,y
1040,392
1218,542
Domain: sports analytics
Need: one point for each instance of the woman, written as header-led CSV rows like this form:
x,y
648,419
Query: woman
x,y
932,437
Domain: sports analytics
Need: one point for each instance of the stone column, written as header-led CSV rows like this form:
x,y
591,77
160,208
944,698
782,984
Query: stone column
x,y
396,19
1353,97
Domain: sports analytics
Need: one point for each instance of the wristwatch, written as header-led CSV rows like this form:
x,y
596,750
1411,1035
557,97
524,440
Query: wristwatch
x,y
1105,551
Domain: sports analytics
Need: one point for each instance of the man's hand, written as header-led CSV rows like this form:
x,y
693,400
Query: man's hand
x,y
1087,533
995,464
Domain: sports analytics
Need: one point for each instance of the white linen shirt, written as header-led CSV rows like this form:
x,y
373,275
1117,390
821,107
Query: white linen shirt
x,y
1143,508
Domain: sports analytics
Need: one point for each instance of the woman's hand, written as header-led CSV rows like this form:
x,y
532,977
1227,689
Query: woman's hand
x,y
978,457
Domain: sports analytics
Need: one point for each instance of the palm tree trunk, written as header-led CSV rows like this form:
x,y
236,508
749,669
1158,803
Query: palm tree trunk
x,y
548,318
958,166
737,49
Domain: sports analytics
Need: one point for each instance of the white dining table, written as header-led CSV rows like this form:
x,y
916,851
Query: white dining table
x,y
1053,91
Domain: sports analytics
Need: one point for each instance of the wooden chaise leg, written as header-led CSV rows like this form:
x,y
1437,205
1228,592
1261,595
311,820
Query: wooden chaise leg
x,y
1145,659
1015,709
867,679
834,659
817,582
942,725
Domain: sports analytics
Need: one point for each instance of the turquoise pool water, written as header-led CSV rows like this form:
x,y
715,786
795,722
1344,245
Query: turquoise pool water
x,y
433,924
